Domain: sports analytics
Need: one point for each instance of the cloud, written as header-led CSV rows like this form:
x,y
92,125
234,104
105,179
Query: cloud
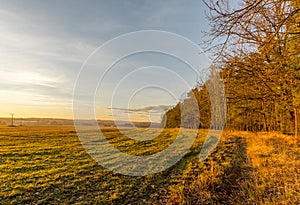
x,y
153,109
43,45
27,77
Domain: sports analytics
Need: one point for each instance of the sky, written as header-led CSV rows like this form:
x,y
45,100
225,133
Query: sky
x,y
45,45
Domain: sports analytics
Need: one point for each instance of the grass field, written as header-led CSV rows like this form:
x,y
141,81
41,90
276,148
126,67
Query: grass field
x,y
48,165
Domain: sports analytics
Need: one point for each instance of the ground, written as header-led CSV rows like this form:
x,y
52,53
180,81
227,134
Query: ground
x,y
47,164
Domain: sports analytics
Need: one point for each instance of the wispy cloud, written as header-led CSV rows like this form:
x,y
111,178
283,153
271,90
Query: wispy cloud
x,y
27,77
152,109
43,45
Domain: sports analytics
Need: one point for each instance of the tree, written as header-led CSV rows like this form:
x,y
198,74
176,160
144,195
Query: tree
x,y
259,54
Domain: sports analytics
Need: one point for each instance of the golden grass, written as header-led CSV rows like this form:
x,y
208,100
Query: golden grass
x,y
40,165
246,168
276,159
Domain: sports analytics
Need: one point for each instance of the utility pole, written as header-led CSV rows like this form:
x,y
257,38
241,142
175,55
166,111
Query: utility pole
x,y
12,119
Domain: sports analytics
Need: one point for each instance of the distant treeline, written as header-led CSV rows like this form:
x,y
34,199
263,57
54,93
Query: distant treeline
x,y
70,122
259,62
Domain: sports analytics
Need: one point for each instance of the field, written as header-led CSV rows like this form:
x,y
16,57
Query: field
x,y
48,165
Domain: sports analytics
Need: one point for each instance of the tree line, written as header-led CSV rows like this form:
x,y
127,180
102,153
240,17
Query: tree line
x,y
257,55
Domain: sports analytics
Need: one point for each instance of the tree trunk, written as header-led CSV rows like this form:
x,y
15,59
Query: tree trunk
x,y
296,121
265,123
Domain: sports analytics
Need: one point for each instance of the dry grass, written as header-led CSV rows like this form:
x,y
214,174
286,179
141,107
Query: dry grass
x,y
246,168
276,159
40,165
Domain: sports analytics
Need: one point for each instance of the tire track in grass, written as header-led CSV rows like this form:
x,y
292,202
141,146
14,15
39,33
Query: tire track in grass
x,y
221,179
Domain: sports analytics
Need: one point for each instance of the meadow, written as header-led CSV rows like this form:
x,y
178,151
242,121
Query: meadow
x,y
48,165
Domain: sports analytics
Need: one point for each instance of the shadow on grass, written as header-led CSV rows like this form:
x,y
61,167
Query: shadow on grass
x,y
223,178
76,178
233,181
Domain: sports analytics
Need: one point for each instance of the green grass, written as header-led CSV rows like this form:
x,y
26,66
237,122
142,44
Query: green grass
x,y
48,165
